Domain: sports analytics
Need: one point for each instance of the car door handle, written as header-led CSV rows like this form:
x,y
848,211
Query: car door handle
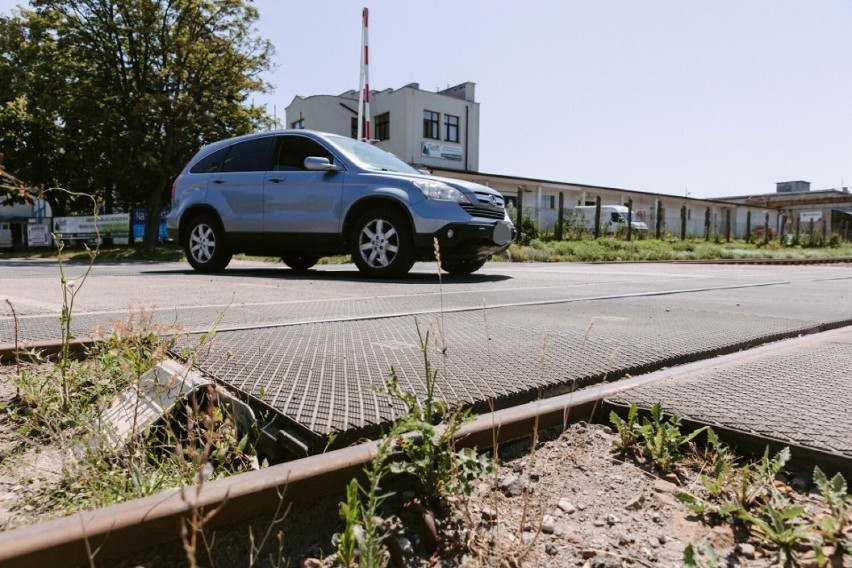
x,y
275,180
218,180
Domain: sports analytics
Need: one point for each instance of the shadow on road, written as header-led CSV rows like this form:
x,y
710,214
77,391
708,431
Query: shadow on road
x,y
353,275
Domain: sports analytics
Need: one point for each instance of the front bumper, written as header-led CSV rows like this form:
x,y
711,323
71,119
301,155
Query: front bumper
x,y
466,241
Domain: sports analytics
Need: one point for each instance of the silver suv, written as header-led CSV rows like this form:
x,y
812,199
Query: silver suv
x,y
302,195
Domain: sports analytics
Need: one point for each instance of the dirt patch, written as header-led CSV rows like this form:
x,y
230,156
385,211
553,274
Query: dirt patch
x,y
570,503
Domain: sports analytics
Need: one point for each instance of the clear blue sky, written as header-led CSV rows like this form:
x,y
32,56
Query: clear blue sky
x,y
716,98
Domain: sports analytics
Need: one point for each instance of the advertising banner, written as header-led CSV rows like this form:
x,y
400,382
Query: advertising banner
x,y
83,228
438,150
140,215
808,216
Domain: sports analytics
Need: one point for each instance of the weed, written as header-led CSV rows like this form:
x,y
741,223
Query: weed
x,y
70,289
430,456
628,430
731,490
416,448
834,524
692,560
658,440
350,512
779,522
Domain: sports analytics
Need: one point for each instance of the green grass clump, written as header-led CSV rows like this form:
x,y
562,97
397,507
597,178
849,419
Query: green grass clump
x,y
611,249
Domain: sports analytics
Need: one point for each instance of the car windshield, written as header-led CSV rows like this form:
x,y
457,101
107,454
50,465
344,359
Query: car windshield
x,y
370,156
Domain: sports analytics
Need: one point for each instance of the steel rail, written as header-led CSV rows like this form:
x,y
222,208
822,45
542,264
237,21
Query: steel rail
x,y
120,530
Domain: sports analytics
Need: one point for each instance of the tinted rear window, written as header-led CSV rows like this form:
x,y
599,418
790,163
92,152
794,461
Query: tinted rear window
x,y
249,156
210,163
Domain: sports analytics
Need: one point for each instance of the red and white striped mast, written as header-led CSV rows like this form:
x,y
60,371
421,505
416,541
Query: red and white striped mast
x,y
364,94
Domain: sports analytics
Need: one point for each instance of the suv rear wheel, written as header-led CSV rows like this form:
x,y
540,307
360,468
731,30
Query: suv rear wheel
x,y
381,244
205,246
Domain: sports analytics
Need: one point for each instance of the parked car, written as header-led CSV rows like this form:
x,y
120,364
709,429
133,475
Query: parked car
x,y
302,195
613,218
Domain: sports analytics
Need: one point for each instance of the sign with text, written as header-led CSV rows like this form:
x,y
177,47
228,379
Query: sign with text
x,y
113,225
438,150
38,235
140,215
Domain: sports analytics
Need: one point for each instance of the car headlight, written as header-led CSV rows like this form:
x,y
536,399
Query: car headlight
x,y
439,190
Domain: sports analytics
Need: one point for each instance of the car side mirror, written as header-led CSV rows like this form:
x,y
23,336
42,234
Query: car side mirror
x,y
317,164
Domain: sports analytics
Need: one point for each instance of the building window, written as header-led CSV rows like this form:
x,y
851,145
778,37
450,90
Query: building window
x,y
431,124
383,126
354,127
300,124
451,125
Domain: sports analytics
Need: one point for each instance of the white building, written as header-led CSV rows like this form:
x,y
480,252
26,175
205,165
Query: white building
x,y
27,221
424,128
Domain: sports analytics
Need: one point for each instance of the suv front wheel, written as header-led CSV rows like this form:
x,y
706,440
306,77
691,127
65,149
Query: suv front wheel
x,y
381,244
205,247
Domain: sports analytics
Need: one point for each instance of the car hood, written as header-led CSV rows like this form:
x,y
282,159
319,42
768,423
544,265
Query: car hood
x,y
463,185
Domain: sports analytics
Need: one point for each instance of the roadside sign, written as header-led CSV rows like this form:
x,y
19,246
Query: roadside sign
x,y
808,216
38,235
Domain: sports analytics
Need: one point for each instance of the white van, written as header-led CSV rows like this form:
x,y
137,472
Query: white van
x,y
5,235
613,218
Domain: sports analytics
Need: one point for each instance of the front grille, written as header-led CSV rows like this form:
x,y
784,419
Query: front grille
x,y
487,205
475,211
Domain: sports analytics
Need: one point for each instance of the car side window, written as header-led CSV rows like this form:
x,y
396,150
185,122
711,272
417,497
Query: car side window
x,y
249,156
210,163
291,152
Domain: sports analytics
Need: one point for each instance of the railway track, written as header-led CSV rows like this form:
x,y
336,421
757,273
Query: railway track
x,y
119,532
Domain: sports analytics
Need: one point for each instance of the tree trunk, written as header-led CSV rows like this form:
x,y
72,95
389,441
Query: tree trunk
x,y
155,197
152,220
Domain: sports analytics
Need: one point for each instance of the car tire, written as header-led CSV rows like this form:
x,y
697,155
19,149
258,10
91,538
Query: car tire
x,y
381,244
205,247
300,262
463,267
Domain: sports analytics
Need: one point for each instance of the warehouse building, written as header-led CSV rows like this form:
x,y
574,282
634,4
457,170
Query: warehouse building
x,y
424,128
439,131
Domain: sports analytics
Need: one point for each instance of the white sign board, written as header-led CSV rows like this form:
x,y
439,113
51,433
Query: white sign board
x,y
808,216
38,235
437,150
114,225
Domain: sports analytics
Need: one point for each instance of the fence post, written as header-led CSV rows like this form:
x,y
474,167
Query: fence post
x,y
520,212
659,224
748,226
766,229
629,219
597,216
683,215
559,213
727,225
707,224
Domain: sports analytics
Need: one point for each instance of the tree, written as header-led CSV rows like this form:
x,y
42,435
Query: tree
x,y
137,86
